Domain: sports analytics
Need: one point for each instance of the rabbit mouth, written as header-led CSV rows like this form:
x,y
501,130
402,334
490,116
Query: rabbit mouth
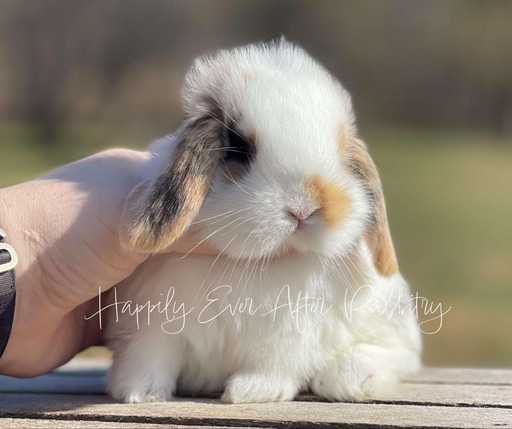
x,y
298,239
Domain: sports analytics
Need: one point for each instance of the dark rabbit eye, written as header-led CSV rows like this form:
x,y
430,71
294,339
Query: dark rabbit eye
x,y
238,148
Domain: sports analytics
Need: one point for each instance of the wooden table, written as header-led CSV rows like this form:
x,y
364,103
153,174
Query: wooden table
x,y
73,397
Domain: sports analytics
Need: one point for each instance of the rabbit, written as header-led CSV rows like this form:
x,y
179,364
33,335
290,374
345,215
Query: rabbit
x,y
305,293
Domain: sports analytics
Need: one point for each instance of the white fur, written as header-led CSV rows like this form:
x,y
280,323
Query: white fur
x,y
348,340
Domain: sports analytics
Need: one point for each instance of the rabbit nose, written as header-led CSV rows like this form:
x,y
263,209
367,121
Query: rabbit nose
x,y
301,214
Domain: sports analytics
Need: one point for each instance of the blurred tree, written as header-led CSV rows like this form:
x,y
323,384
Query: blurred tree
x,y
47,43
421,63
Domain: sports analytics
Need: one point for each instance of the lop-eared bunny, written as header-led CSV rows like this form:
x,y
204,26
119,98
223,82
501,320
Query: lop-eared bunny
x,y
305,293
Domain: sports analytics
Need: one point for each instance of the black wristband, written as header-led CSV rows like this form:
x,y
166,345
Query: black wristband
x,y
8,261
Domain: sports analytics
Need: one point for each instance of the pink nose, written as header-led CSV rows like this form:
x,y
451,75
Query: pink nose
x,y
301,215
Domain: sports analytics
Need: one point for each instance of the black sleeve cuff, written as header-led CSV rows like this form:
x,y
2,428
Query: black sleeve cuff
x,y
7,297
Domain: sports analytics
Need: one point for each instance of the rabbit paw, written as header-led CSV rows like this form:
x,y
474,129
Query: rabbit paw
x,y
136,397
252,387
140,386
139,394
365,372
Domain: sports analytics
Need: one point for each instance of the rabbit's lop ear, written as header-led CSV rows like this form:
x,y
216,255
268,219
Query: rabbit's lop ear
x,y
157,213
377,234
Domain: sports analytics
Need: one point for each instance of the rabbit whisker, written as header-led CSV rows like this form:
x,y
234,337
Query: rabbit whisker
x,y
230,178
236,226
235,289
212,265
219,106
226,126
207,237
225,214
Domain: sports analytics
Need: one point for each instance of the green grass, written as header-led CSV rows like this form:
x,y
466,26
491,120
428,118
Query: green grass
x,y
450,207
27,155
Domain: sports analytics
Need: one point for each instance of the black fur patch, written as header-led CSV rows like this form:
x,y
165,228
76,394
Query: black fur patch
x,y
197,154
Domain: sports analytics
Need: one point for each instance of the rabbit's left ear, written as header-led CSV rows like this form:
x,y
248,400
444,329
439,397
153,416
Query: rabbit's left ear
x,y
157,213
377,234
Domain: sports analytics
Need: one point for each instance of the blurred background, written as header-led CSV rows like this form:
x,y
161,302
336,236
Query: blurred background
x,y
431,83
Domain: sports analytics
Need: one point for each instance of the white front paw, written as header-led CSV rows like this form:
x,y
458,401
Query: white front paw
x,y
134,397
366,371
255,387
134,383
138,391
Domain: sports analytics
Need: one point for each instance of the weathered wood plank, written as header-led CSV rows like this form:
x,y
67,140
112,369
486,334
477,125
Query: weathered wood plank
x,y
279,415
92,381
437,397
451,394
464,376
8,423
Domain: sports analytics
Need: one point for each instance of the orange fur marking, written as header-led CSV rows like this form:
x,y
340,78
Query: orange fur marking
x,y
332,200
377,234
342,140
385,258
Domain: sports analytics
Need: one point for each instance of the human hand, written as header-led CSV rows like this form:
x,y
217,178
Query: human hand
x,y
65,229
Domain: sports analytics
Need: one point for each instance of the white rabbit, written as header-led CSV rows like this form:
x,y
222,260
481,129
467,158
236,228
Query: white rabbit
x,y
305,293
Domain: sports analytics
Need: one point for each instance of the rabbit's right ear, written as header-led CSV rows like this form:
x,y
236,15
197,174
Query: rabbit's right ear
x,y
158,212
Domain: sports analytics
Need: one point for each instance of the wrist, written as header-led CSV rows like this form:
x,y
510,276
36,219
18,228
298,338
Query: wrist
x,y
36,321
8,261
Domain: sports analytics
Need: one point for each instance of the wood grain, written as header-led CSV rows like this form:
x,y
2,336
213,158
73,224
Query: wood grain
x,y
73,397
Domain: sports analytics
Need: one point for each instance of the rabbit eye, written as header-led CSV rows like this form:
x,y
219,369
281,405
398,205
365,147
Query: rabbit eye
x,y
238,148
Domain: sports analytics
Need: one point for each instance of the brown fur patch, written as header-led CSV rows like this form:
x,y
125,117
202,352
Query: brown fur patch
x,y
342,140
333,201
147,236
378,235
195,188
158,213
250,135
